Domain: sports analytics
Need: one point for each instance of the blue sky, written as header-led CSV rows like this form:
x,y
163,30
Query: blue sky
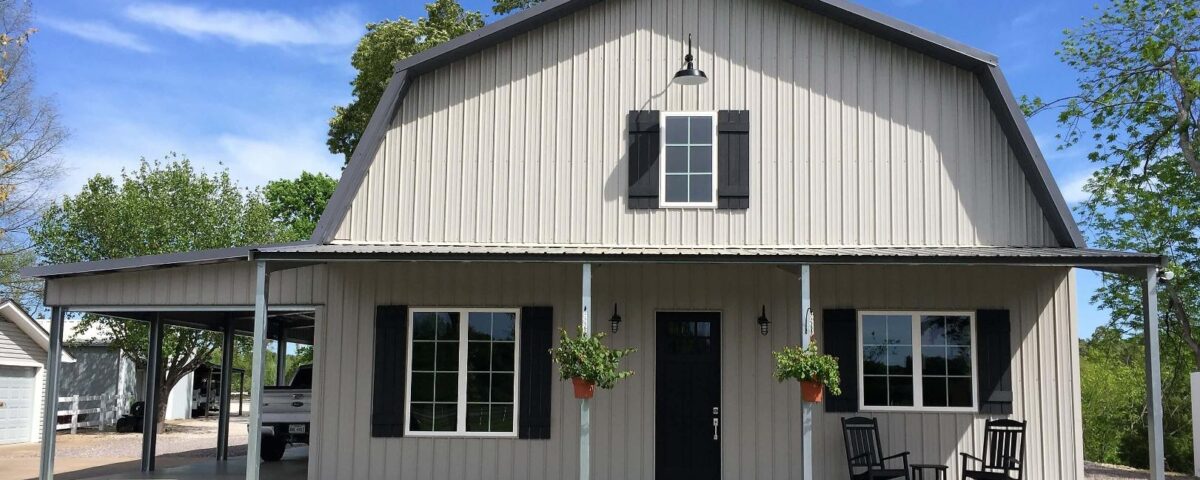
x,y
250,85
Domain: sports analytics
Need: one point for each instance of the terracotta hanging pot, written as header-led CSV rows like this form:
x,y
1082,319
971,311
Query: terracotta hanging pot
x,y
812,392
583,388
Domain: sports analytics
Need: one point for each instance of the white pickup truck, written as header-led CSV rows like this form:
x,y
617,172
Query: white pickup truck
x,y
286,413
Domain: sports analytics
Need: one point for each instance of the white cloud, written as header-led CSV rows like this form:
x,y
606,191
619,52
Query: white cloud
x,y
98,32
1072,187
251,27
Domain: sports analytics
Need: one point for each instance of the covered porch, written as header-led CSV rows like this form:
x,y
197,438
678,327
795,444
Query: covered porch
x,y
343,284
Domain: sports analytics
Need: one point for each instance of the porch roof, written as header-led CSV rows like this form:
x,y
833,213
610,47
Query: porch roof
x,y
919,255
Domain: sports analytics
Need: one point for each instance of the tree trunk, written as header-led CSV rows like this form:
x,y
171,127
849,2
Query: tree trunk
x,y
160,408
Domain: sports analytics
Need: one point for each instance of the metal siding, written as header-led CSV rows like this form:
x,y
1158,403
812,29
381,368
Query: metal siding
x,y
224,284
525,141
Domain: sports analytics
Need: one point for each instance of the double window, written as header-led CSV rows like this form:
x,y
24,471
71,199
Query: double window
x,y
462,372
917,360
689,177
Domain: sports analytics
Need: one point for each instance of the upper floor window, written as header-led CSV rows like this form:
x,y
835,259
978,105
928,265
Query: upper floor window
x,y
689,178
917,360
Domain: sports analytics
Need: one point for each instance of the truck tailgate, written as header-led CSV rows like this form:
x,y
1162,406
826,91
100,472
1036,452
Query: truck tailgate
x,y
286,405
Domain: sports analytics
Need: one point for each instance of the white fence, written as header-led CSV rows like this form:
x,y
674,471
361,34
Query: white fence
x,y
101,410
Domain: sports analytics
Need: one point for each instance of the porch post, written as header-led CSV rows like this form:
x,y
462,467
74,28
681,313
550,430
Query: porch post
x,y
150,413
807,333
50,403
585,412
1153,376
254,442
225,394
281,358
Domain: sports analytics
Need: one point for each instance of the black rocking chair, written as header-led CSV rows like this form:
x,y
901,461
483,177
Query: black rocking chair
x,y
1003,453
865,451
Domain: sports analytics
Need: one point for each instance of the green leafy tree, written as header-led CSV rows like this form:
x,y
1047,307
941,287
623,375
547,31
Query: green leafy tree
x,y
161,207
504,7
29,137
384,44
297,203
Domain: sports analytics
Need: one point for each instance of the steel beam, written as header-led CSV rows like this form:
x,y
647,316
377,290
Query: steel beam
x,y
225,396
585,410
807,334
50,403
150,417
1154,417
254,442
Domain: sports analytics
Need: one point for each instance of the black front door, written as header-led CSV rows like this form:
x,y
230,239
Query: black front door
x,y
688,396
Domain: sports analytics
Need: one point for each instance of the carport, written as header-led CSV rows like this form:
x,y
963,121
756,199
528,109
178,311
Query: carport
x,y
214,290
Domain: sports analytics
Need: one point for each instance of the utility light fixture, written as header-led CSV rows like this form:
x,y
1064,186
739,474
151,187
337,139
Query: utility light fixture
x,y
690,75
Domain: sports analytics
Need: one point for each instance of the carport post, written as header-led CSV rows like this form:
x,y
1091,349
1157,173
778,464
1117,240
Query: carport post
x,y
50,407
281,358
226,384
585,412
1153,376
254,442
150,417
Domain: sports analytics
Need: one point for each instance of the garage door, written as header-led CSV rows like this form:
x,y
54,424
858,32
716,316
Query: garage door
x,y
16,394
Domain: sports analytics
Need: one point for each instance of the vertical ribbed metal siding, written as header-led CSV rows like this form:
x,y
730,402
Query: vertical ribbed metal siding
x,y
855,141
760,417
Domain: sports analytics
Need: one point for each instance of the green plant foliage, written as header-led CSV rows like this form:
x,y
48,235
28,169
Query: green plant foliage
x,y
801,364
297,203
384,44
504,7
586,357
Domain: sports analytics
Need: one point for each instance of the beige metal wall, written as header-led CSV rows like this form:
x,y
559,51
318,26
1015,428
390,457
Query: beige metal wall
x,y
223,284
855,141
761,418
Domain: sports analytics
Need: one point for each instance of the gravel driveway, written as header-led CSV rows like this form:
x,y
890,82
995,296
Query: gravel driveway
x,y
1096,471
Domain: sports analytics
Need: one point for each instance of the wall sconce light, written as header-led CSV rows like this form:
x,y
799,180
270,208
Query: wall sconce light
x,y
615,320
764,324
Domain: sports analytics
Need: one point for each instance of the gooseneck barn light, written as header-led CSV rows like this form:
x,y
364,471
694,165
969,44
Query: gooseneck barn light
x,y
690,75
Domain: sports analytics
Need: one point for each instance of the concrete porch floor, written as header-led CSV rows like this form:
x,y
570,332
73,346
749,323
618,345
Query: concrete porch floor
x,y
293,466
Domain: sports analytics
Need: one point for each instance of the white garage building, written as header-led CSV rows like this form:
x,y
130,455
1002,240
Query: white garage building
x,y
23,347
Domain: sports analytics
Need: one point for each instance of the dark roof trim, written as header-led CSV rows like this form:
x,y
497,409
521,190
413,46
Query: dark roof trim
x,y
198,257
956,53
364,155
1021,140
1096,261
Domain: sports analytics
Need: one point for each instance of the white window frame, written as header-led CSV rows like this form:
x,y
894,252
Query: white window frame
x,y
461,423
662,161
918,393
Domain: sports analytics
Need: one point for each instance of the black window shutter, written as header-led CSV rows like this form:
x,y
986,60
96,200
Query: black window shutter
x,y
994,361
644,146
537,336
391,352
733,159
841,340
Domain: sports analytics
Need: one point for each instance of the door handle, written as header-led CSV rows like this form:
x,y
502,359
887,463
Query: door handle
x,y
716,424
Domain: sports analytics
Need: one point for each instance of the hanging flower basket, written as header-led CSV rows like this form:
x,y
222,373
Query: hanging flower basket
x,y
815,372
583,388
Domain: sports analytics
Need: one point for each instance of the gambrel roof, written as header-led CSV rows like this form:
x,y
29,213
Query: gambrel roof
x,y
982,64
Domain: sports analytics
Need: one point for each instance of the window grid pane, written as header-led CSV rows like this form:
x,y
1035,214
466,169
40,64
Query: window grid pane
x,y
887,360
489,371
690,160
946,361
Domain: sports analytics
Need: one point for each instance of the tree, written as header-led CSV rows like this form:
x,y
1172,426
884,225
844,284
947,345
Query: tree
x,y
384,44
504,7
29,137
162,207
298,203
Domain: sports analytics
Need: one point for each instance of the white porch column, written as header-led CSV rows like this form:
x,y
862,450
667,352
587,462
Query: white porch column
x,y
254,442
807,334
585,413
50,403
1154,418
